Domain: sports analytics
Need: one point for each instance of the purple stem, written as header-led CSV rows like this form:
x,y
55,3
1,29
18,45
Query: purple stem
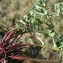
x,y
6,38
3,60
13,44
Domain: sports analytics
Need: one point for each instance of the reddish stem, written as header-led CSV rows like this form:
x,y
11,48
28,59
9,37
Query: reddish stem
x,y
7,37
13,44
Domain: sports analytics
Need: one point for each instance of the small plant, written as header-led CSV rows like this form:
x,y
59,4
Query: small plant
x,y
11,50
37,22
7,46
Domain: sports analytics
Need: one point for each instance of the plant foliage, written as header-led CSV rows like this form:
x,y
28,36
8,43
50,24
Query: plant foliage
x,y
24,42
